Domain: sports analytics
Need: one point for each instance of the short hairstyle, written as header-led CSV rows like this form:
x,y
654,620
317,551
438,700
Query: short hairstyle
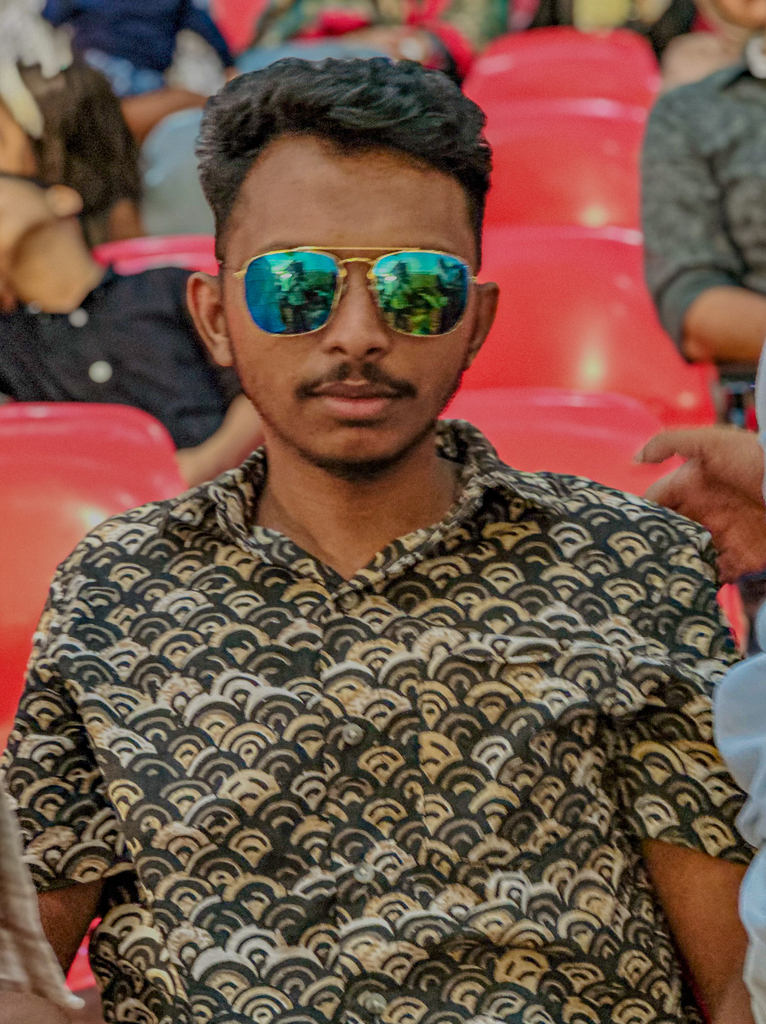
x,y
86,142
357,106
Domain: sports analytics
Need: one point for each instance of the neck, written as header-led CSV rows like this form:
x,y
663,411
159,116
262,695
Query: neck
x,y
346,523
54,269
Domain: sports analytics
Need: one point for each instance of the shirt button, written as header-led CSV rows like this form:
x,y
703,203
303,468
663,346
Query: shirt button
x,y
364,873
100,371
352,734
78,317
459,912
373,1001
348,602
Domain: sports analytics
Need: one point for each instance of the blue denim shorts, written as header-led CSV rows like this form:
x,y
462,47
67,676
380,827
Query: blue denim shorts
x,y
125,78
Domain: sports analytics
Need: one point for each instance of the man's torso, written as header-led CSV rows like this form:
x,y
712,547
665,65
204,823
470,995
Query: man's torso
x,y
417,795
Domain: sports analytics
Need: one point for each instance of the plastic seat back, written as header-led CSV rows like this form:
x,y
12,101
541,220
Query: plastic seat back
x,y
551,63
64,468
590,435
237,19
134,255
575,313
565,162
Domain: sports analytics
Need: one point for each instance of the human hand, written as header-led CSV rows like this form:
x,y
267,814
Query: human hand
x,y
718,486
24,1008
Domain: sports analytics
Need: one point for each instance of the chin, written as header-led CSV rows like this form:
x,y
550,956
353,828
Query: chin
x,y
366,456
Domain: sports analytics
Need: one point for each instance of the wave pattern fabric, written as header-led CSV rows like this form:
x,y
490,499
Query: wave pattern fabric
x,y
414,797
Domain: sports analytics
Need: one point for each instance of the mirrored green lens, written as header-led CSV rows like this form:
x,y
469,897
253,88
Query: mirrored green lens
x,y
291,292
422,293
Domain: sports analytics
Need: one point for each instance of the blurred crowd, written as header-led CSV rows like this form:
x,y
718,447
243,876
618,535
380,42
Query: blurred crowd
x,y
363,718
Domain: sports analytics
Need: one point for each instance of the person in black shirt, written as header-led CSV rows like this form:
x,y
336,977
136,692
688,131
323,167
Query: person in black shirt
x,y
73,331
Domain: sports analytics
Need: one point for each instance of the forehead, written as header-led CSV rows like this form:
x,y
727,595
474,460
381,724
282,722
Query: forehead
x,y
302,191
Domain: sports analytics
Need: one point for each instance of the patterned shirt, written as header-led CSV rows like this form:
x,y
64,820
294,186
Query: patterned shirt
x,y
704,191
418,795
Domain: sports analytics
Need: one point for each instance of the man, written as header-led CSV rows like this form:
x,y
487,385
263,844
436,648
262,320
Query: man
x,y
702,198
376,728
76,332
721,485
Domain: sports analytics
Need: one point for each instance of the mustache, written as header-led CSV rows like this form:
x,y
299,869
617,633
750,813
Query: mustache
x,y
371,373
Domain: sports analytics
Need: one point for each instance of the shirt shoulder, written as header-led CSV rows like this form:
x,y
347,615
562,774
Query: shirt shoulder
x,y
696,108
571,496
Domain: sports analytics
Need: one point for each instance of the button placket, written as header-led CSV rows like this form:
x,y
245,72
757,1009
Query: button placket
x,y
352,734
364,873
374,1002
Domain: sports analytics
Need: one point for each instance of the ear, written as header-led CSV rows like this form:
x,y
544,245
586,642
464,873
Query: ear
x,y
487,296
203,297
63,201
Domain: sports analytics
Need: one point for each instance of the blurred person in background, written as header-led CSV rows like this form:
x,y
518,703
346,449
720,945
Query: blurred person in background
x,y
659,21
133,41
85,143
704,207
61,122
721,485
713,42
375,727
442,35
76,332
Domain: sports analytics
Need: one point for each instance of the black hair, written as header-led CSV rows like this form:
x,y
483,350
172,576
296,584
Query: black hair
x,y
86,142
357,106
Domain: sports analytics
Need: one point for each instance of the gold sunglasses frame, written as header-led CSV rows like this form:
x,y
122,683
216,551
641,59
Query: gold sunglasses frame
x,y
340,286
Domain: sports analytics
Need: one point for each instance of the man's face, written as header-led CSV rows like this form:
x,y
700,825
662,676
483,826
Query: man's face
x,y
355,395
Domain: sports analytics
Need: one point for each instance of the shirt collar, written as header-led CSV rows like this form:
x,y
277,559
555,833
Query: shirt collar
x,y
226,507
728,76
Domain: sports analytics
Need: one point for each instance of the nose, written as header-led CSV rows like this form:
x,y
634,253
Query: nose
x,y
356,331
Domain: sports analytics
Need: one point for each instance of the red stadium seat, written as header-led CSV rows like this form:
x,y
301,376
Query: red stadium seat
x,y
565,162
80,976
237,19
551,63
574,313
590,435
132,255
64,468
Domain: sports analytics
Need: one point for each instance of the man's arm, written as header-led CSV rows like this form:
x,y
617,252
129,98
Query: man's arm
x,y
726,325
143,112
699,895
66,915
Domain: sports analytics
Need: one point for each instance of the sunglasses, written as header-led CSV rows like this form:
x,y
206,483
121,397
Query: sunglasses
x,y
418,292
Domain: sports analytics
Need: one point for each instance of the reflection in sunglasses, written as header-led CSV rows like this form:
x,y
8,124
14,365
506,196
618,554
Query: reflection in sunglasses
x,y
418,292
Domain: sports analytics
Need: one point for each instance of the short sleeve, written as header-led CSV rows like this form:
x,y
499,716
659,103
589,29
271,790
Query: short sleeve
x,y
670,780
70,831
